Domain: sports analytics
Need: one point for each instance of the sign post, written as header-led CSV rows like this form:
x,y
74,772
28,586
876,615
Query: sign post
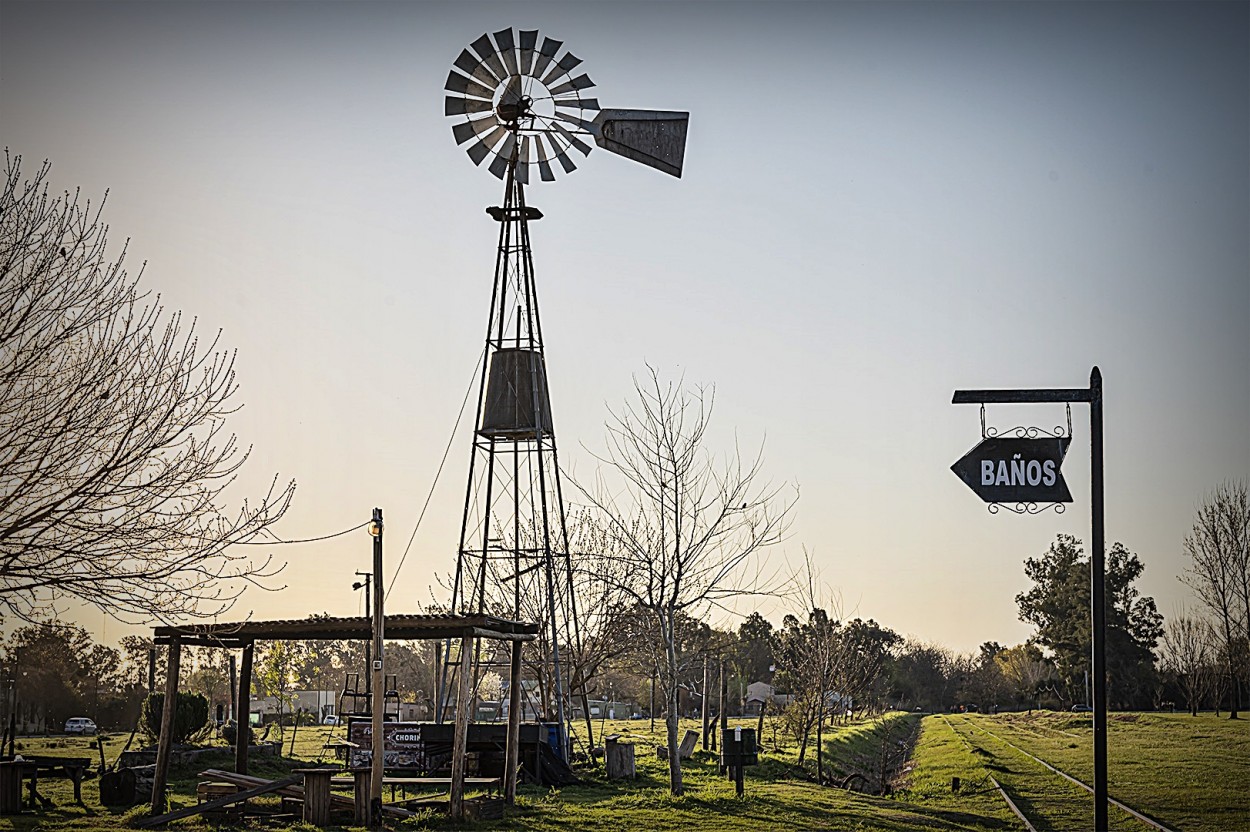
x,y
1004,472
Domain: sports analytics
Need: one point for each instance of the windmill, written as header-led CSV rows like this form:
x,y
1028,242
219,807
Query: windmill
x,y
521,107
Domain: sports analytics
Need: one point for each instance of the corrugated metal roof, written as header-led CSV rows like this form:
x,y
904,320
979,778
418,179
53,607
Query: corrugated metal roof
x,y
398,627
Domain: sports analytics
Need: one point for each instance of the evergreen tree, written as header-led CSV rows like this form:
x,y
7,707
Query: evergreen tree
x,y
1059,606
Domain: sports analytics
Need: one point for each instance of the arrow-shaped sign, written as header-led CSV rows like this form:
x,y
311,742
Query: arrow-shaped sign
x,y
1006,470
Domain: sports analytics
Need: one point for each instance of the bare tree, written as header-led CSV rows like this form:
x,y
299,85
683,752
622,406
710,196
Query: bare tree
x,y
113,453
1219,572
1027,670
1187,654
683,527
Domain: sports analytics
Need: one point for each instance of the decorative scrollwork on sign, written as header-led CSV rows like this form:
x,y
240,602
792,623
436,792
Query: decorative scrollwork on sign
x,y
1026,508
1027,431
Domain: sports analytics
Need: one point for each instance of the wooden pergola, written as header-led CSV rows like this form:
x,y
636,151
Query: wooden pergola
x,y
245,634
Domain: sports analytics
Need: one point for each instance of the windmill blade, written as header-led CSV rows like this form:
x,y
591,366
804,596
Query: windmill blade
x,y
565,64
503,156
522,163
486,48
544,167
478,152
480,149
565,162
546,54
578,103
470,64
512,93
528,40
589,126
458,83
655,138
506,150
581,82
456,106
466,130
507,51
573,140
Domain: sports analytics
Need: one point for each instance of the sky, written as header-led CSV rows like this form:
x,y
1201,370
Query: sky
x,y
881,203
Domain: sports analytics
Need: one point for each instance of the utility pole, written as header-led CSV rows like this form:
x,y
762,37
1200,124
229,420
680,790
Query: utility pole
x,y
375,671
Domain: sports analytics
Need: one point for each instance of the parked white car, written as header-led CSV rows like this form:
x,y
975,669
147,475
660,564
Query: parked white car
x,y
330,719
80,725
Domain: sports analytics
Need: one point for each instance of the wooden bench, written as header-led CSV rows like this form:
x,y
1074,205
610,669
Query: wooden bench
x,y
491,784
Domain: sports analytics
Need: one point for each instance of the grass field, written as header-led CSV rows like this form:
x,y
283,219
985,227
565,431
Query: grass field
x,y
1188,773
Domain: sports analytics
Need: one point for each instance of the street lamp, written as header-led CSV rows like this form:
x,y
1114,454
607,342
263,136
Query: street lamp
x,y
368,576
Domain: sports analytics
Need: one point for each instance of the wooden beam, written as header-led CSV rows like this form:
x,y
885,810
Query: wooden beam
x,y
461,738
166,740
237,797
512,757
243,710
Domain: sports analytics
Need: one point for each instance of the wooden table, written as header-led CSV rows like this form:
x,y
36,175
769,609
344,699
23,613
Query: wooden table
x,y
29,768
491,784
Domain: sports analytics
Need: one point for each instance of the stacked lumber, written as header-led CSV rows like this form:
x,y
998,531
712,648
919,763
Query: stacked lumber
x,y
337,801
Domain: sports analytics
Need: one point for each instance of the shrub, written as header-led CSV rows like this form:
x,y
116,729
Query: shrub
x,y
230,732
190,715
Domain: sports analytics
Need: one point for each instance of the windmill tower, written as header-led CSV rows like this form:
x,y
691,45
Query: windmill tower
x,y
520,109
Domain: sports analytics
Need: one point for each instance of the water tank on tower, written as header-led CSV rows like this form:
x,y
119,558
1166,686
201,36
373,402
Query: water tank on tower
x,y
508,412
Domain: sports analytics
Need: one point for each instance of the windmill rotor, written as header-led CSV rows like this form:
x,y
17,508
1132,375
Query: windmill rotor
x,y
509,91
520,102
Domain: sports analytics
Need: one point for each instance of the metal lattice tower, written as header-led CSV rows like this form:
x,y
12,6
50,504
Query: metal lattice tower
x,y
518,103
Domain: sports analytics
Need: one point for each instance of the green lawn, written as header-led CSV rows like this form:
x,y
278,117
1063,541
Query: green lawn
x,y
1188,773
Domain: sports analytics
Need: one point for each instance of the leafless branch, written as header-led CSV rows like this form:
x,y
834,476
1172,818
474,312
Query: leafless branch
x,y
114,456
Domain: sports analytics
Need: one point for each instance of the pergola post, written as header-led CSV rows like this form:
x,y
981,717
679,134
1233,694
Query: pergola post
x,y
243,710
166,740
461,739
512,755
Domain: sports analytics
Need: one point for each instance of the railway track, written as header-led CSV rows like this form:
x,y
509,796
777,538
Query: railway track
x,y
1013,805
